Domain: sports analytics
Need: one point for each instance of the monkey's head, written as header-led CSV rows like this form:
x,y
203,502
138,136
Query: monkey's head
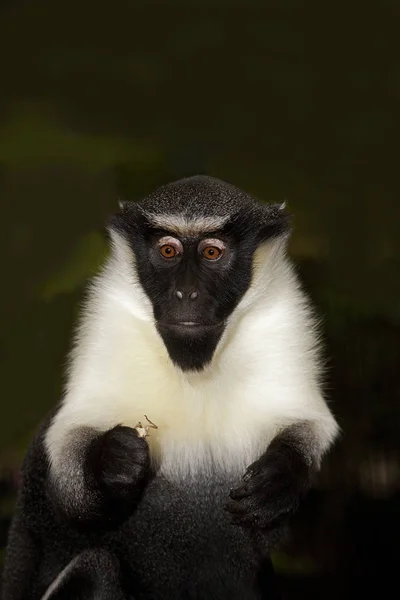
x,y
192,244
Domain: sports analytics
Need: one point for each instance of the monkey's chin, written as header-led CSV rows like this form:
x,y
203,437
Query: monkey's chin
x,y
190,346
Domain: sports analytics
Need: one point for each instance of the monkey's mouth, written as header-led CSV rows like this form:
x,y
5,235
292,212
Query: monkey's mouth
x,y
190,344
189,325
190,329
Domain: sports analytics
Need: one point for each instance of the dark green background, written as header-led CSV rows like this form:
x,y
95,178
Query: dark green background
x,y
291,100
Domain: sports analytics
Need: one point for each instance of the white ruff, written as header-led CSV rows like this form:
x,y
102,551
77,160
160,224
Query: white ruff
x,y
263,377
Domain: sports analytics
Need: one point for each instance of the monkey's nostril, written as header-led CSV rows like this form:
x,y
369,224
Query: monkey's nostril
x,y
193,295
179,294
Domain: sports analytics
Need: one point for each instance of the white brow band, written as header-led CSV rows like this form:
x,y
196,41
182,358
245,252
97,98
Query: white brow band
x,y
184,226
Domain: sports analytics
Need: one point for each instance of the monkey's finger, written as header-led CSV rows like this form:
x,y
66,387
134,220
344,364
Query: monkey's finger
x,y
251,472
238,522
250,518
235,508
240,492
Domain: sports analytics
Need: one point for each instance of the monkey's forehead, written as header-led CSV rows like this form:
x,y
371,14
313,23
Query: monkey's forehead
x,y
197,196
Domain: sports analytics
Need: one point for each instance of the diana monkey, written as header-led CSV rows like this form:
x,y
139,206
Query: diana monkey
x,y
198,321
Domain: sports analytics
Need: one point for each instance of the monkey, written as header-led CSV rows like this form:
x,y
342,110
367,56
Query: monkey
x,y
199,321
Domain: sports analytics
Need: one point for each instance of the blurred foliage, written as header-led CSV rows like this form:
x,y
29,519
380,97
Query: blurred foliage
x,y
85,258
29,128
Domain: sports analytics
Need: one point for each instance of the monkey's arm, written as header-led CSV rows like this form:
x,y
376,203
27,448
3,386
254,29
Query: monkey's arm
x,y
40,544
24,550
274,485
101,474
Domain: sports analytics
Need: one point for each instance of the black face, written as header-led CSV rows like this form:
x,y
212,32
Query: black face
x,y
194,282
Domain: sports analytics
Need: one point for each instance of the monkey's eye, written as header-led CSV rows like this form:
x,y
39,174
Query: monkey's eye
x,y
168,251
211,253
211,249
169,247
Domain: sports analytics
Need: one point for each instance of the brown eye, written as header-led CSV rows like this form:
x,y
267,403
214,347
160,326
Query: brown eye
x,y
168,251
211,249
212,252
169,247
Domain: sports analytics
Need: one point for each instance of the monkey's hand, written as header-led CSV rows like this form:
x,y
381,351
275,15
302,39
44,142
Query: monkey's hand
x,y
119,462
272,489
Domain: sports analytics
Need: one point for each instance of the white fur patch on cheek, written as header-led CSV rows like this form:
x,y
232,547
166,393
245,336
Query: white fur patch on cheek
x,y
119,282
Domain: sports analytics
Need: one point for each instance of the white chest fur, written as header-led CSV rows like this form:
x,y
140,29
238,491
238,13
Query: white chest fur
x,y
264,375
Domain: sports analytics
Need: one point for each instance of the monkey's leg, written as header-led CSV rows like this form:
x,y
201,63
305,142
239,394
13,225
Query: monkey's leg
x,y
92,575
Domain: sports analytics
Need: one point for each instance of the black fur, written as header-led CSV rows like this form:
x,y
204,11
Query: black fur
x,y
93,575
119,462
205,196
274,485
220,285
178,544
104,475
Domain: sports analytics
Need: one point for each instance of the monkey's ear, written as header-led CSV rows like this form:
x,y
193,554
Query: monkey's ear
x,y
275,221
123,204
128,220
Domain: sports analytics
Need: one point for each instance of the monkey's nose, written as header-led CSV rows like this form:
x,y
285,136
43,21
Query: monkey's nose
x,y
190,295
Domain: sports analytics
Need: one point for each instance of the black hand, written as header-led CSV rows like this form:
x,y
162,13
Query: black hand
x,y
272,489
119,462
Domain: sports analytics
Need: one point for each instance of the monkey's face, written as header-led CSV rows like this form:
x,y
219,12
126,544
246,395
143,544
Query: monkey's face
x,y
194,266
194,284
